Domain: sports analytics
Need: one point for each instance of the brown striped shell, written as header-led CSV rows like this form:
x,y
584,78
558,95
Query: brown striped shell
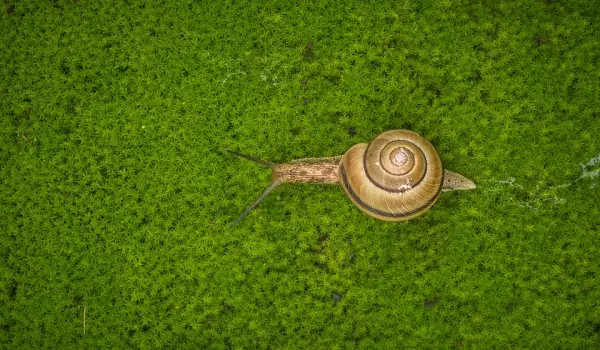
x,y
396,177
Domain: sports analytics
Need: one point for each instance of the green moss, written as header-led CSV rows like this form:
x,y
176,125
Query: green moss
x,y
116,193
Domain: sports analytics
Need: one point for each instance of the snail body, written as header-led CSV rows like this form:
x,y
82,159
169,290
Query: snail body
x,y
396,177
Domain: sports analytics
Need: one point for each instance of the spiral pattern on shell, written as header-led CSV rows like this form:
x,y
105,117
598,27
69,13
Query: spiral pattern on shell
x,y
396,177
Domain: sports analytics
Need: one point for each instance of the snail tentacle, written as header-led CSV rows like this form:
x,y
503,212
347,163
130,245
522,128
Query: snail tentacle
x,y
253,159
267,191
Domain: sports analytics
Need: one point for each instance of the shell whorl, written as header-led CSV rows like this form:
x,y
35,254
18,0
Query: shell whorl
x,y
396,177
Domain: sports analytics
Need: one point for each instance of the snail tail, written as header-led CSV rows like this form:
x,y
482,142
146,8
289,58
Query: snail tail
x,y
269,189
254,159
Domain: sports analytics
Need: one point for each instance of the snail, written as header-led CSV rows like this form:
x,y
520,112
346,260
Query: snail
x,y
396,177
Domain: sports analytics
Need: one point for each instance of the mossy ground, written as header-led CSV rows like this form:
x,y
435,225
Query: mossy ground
x,y
115,190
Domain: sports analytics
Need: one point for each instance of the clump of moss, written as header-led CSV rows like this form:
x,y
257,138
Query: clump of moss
x,y
115,190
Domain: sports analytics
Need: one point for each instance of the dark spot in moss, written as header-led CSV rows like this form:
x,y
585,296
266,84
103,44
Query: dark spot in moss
x,y
337,114
296,131
228,308
333,78
77,300
484,95
57,5
10,9
435,90
479,47
308,50
352,258
323,238
321,265
145,328
103,172
430,303
64,129
336,298
12,289
306,101
475,75
228,343
390,44
352,131
540,40
64,69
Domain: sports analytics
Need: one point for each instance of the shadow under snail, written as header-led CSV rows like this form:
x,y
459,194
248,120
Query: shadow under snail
x,y
396,177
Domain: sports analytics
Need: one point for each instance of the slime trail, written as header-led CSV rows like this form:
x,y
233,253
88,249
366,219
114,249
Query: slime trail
x,y
540,195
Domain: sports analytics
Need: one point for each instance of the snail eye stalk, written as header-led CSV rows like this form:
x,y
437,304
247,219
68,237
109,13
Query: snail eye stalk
x,y
253,159
267,191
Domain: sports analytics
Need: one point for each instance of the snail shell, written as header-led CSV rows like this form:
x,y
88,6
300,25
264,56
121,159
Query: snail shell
x,y
396,177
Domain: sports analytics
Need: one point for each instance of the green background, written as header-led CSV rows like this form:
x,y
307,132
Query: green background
x,y
116,192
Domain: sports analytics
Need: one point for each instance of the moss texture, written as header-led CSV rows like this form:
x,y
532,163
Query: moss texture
x,y
115,190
